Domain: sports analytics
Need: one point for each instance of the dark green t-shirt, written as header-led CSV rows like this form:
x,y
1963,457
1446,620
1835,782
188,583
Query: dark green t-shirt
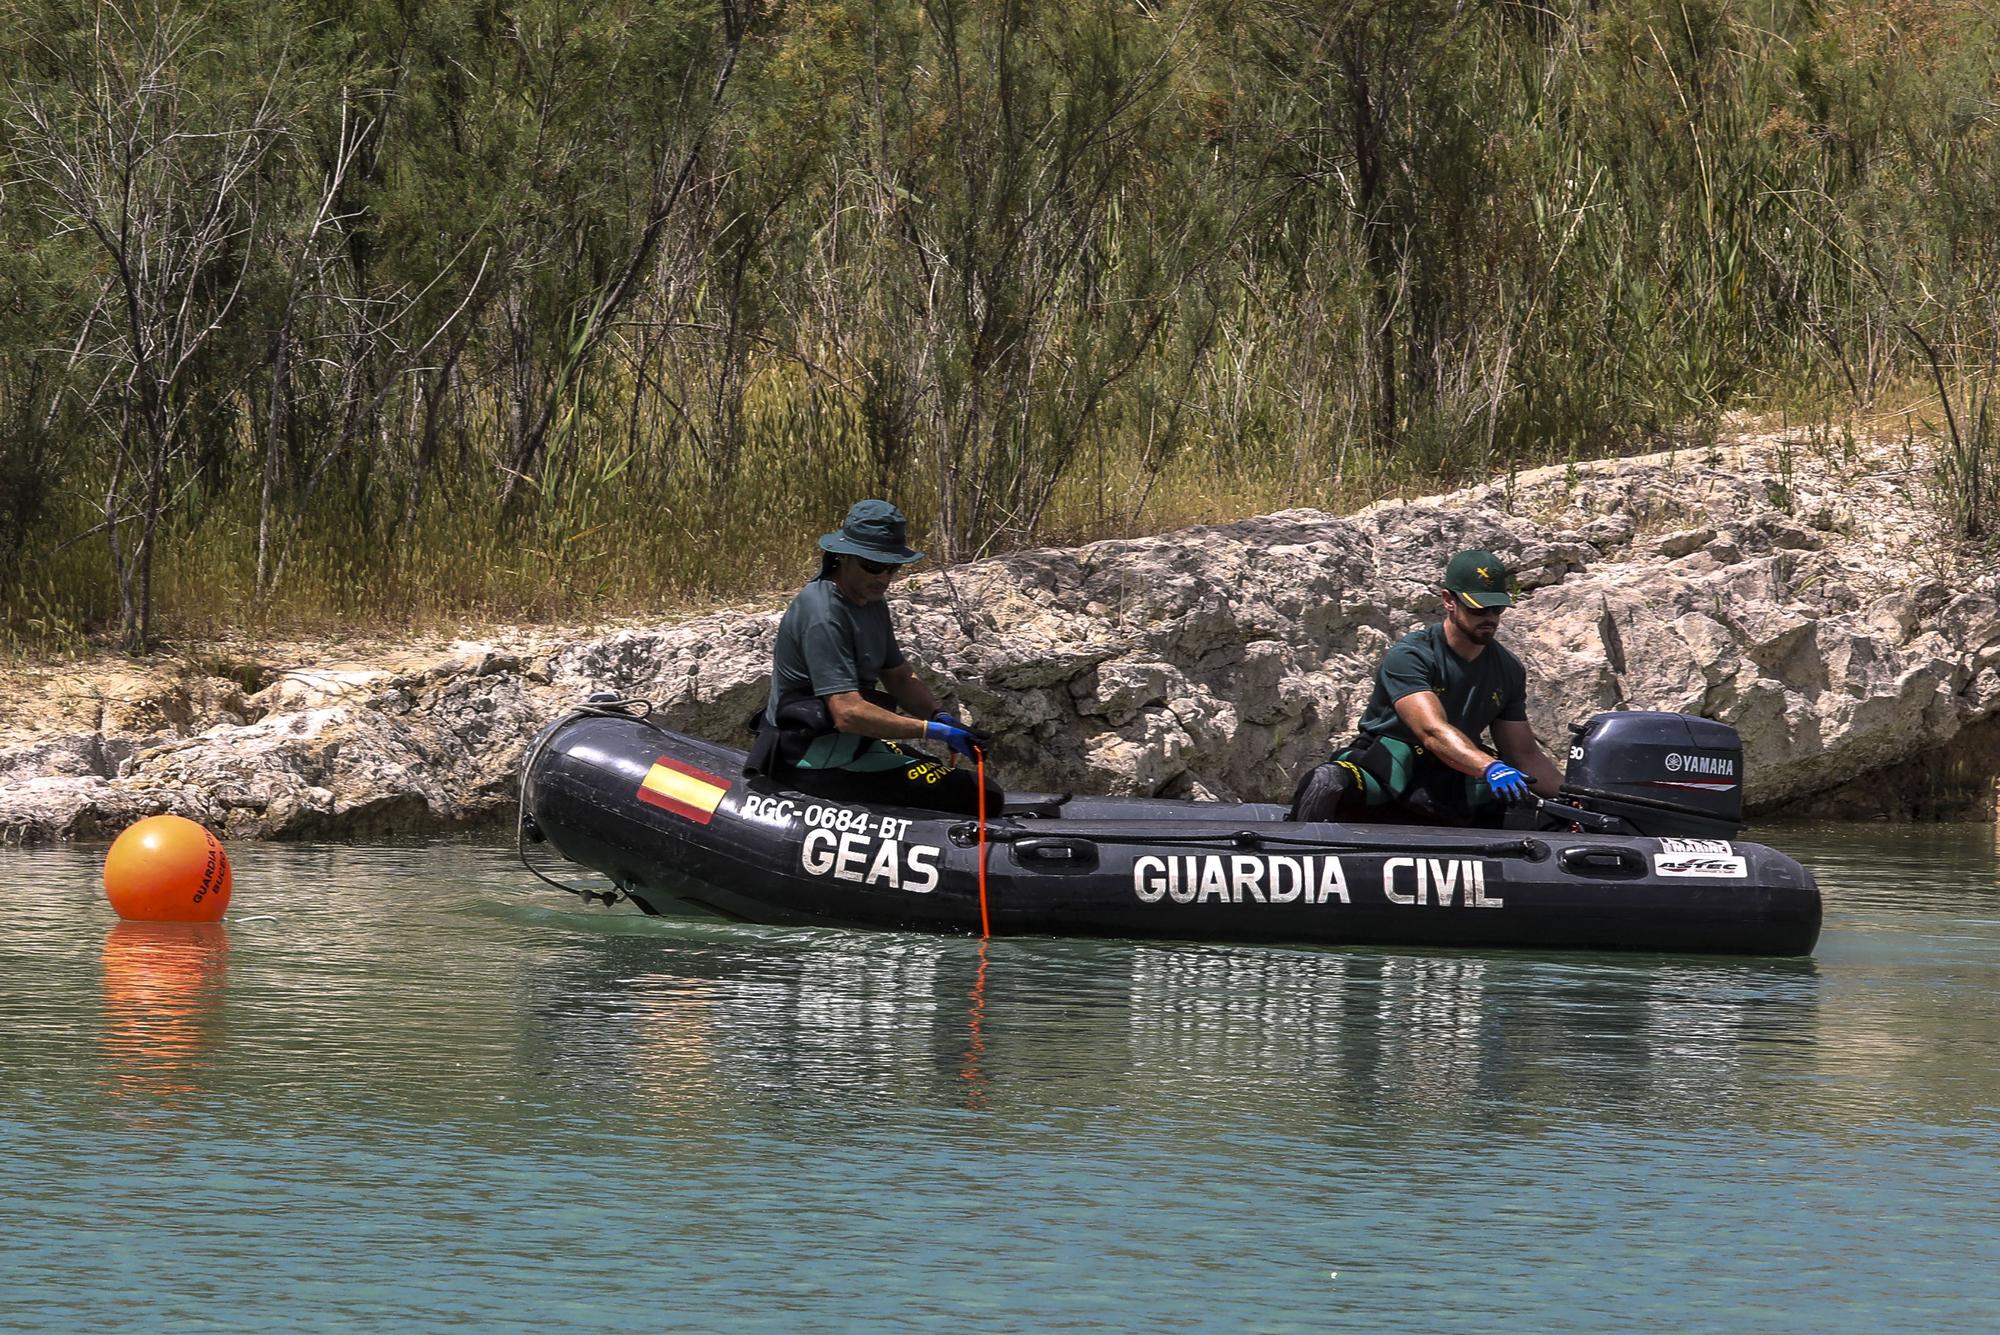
x,y
1474,693
827,645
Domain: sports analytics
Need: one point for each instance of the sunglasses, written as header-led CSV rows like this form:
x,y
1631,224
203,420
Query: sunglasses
x,y
1466,603
872,567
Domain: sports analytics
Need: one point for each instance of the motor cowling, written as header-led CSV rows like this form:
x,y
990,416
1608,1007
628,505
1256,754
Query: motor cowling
x,y
1662,774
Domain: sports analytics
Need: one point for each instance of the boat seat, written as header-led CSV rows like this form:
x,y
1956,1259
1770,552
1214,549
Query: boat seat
x,y
1046,805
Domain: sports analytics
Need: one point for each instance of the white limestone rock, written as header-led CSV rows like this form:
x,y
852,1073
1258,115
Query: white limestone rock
x,y
1821,618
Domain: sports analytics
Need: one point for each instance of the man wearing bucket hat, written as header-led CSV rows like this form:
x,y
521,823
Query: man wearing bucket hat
x,y
838,678
1437,691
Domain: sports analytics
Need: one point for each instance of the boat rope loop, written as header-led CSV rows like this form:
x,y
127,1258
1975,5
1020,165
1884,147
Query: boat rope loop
x,y
604,704
1534,850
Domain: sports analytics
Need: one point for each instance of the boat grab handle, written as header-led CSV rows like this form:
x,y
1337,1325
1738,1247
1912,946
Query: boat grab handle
x,y
1602,860
1064,853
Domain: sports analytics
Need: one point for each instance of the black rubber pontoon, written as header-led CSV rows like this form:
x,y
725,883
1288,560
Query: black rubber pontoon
x,y
675,824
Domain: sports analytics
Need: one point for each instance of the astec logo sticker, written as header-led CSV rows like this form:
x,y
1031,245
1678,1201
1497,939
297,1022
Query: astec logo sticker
x,y
1715,865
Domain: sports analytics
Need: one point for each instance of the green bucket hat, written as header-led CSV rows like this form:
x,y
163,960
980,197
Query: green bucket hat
x,y
1481,579
874,531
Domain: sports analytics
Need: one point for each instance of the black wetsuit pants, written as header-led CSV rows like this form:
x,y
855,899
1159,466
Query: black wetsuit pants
x,y
1386,779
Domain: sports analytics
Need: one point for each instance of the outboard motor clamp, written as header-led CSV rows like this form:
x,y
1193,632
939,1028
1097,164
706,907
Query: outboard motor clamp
x,y
1662,774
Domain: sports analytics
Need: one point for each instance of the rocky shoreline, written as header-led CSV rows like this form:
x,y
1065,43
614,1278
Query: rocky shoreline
x,y
1798,590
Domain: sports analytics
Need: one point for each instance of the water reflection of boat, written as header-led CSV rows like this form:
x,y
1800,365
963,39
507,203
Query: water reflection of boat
x,y
713,1023
675,824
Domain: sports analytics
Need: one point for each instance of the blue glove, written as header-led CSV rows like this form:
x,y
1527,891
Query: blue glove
x,y
1507,783
954,735
980,735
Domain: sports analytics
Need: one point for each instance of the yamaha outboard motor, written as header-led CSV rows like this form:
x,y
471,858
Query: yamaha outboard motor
x,y
1659,774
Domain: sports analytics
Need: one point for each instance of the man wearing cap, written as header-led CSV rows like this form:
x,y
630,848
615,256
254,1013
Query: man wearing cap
x,y
831,726
1437,691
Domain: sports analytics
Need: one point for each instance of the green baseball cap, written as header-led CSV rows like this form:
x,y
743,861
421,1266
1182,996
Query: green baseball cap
x,y
1481,579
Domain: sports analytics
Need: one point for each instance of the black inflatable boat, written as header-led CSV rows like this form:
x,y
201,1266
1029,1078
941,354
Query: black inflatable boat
x,y
1639,854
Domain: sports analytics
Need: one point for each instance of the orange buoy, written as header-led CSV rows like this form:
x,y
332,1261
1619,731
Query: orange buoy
x,y
167,869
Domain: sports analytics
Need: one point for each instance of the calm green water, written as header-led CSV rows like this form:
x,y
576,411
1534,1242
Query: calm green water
x,y
409,1088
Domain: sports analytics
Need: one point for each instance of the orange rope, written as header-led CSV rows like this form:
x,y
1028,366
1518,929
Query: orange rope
x,y
985,924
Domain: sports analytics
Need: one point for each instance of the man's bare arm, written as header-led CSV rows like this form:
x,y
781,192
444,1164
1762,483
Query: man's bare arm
x,y
1423,712
855,713
1519,748
910,690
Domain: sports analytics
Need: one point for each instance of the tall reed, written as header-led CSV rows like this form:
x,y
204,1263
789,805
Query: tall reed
x,y
562,313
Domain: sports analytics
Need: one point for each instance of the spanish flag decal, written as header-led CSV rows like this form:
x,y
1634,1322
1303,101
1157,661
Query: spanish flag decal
x,y
683,790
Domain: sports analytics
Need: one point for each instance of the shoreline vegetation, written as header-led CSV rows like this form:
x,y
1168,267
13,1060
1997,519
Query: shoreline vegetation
x,y
324,318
